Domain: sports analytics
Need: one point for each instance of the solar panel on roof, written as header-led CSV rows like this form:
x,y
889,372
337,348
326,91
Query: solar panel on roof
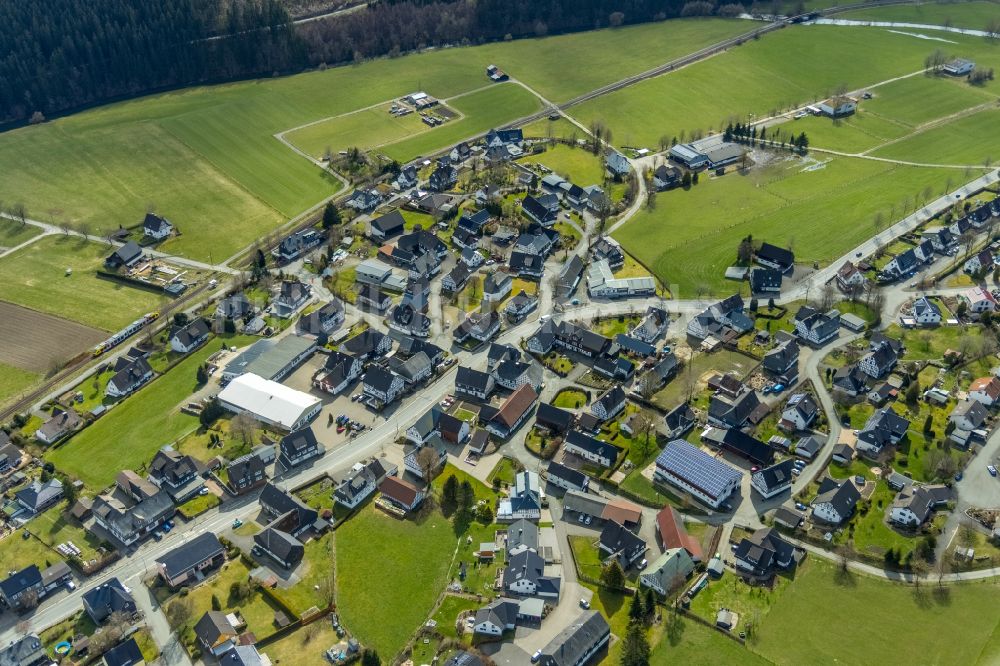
x,y
697,467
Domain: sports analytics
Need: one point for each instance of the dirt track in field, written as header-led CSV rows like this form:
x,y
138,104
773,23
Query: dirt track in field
x,y
34,341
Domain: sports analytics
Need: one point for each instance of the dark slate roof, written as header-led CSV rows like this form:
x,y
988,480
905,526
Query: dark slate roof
x,y
576,640
591,445
778,475
190,554
107,598
635,345
279,502
190,334
470,377
378,378
154,223
554,417
843,495
21,580
749,447
764,279
567,474
296,442
124,654
390,223
280,543
776,254
616,537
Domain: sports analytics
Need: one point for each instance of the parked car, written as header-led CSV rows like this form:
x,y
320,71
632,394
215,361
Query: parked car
x,y
237,523
992,470
584,604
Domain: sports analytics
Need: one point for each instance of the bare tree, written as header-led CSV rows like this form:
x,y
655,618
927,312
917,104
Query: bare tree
x,y
244,426
428,460
178,611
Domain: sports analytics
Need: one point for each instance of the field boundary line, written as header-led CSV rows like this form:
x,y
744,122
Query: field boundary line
x,y
937,123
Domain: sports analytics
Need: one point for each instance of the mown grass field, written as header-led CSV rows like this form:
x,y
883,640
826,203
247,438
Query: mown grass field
x,y
13,234
131,433
362,129
691,236
14,380
973,15
389,574
970,140
869,611
35,277
759,78
919,99
577,165
207,158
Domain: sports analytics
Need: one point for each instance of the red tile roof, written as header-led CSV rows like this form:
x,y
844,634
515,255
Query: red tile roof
x,y
670,527
397,489
622,512
519,402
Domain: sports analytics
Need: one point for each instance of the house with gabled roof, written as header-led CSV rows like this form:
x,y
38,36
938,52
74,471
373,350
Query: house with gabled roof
x,y
610,404
364,200
513,412
591,449
703,476
187,562
524,501
915,504
670,528
763,552
566,478
155,227
778,258
619,542
474,383
978,300
553,419
296,245
187,338
128,254
679,420
925,312
386,226
849,277
884,428
815,327
716,319
836,500
773,480
101,601
496,287
177,473
323,321
668,571
578,643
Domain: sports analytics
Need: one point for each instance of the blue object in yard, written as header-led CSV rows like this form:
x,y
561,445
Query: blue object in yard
x,y
958,477
778,388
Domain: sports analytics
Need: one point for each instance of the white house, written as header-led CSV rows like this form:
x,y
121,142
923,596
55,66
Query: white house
x,y
590,449
188,338
926,312
959,67
773,480
799,412
979,262
838,107
915,504
156,227
835,502
979,300
985,390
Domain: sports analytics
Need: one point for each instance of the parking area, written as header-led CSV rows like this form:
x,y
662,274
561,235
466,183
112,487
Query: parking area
x,y
325,426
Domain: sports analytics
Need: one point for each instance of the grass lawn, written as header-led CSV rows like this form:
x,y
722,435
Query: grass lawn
x,y
447,613
750,603
570,399
973,14
612,326
557,129
363,129
575,164
699,369
966,141
505,470
199,504
692,235
207,157
15,380
871,535
713,92
919,99
412,564
198,443
305,645
932,343
916,619
857,133
131,433
319,559
586,556
256,610
35,277
687,642
79,624
13,233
